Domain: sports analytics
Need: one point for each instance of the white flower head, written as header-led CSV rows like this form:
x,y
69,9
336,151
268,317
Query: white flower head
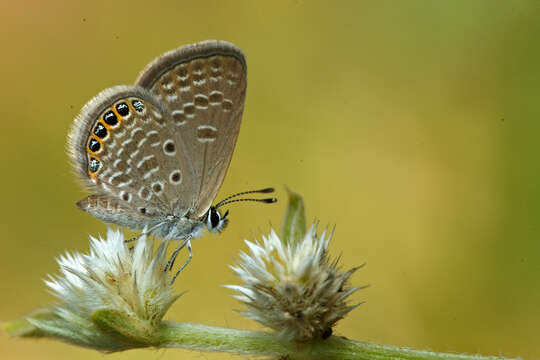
x,y
112,277
293,288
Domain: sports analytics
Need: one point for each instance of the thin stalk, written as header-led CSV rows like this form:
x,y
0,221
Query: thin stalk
x,y
209,338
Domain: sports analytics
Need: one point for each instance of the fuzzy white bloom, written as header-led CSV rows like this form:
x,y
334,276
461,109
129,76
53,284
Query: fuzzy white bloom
x,y
113,277
293,288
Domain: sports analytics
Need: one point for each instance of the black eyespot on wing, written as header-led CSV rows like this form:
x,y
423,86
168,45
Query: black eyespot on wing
x,y
94,165
110,118
175,177
169,147
142,210
100,131
157,188
94,145
138,105
122,109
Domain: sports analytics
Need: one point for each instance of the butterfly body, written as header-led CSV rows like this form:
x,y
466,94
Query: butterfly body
x,y
154,154
167,225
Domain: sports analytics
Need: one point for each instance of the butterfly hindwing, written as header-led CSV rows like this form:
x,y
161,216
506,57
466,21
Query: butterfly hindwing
x,y
120,146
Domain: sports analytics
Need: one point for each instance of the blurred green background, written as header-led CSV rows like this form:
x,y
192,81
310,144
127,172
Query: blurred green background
x,y
414,126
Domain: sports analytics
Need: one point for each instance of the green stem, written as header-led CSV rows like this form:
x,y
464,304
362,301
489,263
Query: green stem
x,y
210,338
207,338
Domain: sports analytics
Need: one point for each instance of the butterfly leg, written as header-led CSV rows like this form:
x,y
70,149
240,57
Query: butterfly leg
x,y
188,243
170,263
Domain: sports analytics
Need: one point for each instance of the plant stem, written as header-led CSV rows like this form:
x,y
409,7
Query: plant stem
x,y
216,339
207,338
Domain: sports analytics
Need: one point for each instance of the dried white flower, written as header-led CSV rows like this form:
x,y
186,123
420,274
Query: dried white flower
x,y
293,288
112,277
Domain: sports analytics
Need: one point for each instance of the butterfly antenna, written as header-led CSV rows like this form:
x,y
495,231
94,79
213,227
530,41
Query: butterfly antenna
x,y
261,191
267,201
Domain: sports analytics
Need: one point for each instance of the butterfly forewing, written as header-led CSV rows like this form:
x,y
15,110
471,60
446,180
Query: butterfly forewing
x,y
203,88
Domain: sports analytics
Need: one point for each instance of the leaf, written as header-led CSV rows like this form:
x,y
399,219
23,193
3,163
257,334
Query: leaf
x,y
131,332
293,228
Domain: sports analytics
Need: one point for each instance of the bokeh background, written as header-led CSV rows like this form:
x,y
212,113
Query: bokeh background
x,y
413,126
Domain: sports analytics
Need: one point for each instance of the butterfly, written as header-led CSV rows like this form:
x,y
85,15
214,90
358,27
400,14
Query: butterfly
x,y
154,154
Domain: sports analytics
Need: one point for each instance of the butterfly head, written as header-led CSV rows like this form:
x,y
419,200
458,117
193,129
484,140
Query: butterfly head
x,y
215,222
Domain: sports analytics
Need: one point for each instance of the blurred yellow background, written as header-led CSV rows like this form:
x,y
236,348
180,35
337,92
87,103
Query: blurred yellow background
x,y
414,126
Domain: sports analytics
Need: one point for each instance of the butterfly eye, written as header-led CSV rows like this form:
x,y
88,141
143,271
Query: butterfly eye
x,y
214,218
214,221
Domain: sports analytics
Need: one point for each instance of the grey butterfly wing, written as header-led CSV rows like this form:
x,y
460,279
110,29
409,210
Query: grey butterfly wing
x,y
119,145
203,87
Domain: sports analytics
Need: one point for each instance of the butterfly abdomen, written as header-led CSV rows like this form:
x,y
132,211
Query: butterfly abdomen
x,y
110,210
